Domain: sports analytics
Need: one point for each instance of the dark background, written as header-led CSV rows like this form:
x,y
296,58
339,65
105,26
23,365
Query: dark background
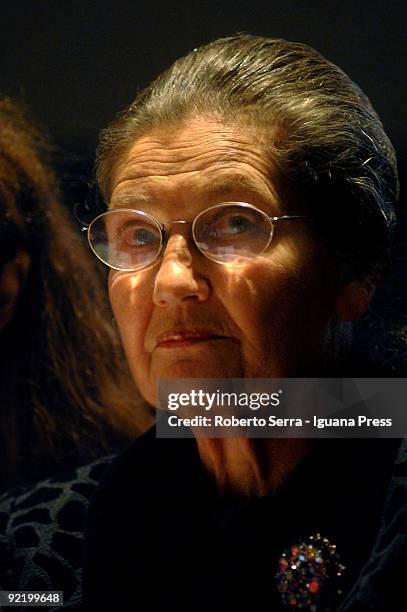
x,y
76,63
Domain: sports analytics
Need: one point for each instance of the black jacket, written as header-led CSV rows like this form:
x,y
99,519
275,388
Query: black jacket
x,y
146,530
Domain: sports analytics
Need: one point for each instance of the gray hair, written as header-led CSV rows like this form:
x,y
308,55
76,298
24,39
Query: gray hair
x,y
324,135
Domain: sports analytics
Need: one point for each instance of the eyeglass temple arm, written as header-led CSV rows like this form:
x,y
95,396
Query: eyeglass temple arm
x,y
287,218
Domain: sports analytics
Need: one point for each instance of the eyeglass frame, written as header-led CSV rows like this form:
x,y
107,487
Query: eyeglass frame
x,y
164,231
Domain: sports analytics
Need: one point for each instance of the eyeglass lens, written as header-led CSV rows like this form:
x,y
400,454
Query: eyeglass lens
x,y
130,240
232,233
125,239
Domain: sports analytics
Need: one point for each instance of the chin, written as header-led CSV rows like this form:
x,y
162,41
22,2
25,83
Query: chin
x,y
182,370
202,368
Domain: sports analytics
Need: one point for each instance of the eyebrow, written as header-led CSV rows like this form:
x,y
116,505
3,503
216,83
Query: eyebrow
x,y
224,185
219,187
128,198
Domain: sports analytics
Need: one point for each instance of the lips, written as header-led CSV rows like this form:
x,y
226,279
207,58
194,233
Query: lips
x,y
184,337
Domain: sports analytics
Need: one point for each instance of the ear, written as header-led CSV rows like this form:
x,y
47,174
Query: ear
x,y
353,300
12,279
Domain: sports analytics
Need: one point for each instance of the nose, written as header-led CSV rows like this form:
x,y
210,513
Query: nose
x,y
176,280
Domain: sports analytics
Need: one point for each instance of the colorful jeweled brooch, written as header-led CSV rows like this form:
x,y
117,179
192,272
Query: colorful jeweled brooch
x,y
309,575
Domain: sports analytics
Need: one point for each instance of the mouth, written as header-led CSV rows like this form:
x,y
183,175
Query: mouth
x,y
175,339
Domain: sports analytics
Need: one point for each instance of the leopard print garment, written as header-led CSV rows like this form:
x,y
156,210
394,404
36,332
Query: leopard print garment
x,y
41,532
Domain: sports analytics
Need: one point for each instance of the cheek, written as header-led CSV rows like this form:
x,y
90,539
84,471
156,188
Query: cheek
x,y
264,290
281,307
259,301
132,306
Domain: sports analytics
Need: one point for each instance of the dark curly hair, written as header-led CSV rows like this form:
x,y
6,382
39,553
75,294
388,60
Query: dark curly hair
x,y
64,385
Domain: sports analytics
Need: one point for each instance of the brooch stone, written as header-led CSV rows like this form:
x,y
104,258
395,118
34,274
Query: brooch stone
x,y
309,575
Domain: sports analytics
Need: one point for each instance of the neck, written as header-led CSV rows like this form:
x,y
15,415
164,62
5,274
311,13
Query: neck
x,y
249,468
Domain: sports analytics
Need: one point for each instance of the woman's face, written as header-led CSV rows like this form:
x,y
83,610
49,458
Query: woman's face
x,y
189,317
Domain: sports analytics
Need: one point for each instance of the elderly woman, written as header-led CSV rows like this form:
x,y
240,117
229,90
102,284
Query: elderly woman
x,y
250,193
60,396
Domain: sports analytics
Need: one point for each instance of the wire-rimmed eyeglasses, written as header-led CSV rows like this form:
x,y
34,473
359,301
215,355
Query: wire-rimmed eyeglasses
x,y
228,233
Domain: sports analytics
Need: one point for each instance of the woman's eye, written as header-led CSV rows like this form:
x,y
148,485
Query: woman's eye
x,y
232,225
239,224
139,236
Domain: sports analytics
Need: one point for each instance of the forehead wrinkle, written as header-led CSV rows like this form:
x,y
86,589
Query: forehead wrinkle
x,y
227,186
184,142
210,161
224,183
148,157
